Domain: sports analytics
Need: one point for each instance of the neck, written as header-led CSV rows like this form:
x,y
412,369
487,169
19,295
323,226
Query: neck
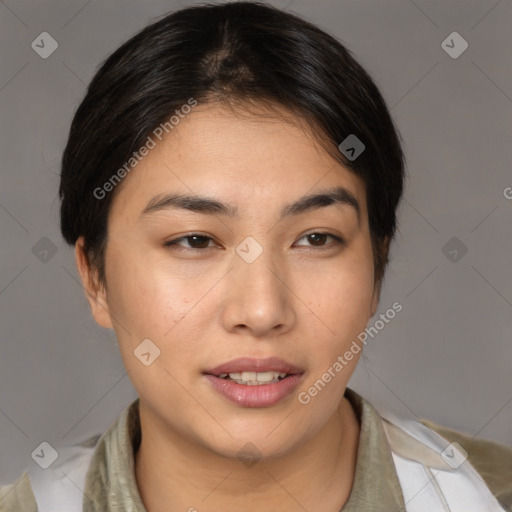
x,y
316,476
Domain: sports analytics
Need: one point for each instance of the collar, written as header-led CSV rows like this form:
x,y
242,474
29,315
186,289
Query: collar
x,y
111,485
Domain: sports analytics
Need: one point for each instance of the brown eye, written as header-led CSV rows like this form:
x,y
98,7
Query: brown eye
x,y
319,240
194,242
198,241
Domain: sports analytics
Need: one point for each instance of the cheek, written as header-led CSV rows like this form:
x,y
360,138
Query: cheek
x,y
149,305
343,292
343,305
153,300
145,295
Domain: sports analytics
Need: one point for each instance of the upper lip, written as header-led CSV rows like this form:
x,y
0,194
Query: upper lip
x,y
248,364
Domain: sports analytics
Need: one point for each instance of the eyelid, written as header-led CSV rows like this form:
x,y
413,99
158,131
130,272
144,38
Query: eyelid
x,y
175,242
338,239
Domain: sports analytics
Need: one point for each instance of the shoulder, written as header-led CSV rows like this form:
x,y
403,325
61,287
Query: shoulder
x,y
18,496
56,488
492,460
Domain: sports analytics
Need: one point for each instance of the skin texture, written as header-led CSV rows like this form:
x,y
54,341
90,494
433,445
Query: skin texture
x,y
304,300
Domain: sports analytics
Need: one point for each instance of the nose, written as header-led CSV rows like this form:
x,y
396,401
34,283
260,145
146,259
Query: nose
x,y
259,298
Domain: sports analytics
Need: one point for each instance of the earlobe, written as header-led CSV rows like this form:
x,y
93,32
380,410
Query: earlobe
x,y
94,291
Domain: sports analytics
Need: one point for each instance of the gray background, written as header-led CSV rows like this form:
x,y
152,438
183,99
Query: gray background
x,y
446,356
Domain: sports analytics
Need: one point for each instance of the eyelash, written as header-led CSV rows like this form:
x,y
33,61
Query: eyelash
x,y
174,243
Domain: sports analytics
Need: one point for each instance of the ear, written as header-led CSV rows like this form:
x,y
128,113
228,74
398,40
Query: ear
x,y
94,291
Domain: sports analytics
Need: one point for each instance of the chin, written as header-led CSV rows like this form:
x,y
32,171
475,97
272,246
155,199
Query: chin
x,y
250,446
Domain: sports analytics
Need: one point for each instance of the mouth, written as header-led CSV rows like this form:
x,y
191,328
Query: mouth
x,y
254,378
255,372
255,382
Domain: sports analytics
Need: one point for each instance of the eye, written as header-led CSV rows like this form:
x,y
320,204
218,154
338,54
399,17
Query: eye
x,y
318,239
198,242
195,242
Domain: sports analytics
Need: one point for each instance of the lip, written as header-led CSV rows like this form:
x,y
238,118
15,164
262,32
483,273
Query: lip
x,y
248,364
263,395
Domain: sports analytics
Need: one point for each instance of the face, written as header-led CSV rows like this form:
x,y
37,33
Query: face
x,y
284,288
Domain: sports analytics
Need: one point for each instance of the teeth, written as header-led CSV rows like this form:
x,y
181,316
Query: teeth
x,y
254,378
263,377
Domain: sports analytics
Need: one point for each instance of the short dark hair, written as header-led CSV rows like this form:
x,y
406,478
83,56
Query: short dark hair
x,y
235,53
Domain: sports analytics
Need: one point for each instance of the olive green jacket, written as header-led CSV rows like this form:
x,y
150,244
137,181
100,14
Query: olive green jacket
x,y
109,484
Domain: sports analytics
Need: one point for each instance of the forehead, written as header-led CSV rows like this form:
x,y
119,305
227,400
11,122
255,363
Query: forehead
x,y
244,157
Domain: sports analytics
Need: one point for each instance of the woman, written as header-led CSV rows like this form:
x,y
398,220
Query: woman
x,y
230,185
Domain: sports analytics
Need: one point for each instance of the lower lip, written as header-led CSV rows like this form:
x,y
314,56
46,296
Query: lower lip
x,y
261,395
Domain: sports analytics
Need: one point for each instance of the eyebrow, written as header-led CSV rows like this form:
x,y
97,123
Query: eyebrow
x,y
211,206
